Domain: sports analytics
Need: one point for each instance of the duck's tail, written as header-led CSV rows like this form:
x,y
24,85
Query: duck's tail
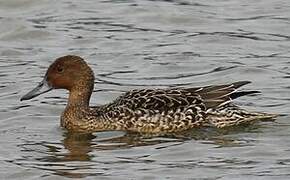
x,y
232,115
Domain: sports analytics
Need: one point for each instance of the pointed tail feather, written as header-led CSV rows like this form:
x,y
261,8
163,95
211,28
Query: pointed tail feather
x,y
229,122
220,95
242,93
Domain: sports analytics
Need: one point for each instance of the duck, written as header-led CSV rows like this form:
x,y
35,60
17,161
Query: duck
x,y
160,110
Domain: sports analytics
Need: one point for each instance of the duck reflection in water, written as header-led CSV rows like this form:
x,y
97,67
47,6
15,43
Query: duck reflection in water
x,y
77,155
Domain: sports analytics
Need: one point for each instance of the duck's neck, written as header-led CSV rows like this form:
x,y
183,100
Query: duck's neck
x,y
80,97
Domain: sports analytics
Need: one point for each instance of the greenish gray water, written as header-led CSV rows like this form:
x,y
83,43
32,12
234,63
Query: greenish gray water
x,y
135,44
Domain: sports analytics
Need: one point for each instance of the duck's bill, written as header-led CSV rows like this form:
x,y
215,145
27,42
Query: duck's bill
x,y
41,88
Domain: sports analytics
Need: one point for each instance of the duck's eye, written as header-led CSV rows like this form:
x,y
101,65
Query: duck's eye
x,y
59,69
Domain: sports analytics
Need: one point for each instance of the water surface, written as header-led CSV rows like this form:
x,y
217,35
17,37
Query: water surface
x,y
136,44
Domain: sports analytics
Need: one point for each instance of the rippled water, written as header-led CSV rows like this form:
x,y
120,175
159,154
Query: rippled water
x,y
133,44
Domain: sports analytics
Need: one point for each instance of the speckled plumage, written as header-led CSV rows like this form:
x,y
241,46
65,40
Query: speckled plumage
x,y
145,110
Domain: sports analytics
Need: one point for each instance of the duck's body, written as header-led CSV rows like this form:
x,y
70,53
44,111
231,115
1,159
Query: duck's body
x,y
145,110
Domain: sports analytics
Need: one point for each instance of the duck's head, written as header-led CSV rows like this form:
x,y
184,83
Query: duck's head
x,y
67,72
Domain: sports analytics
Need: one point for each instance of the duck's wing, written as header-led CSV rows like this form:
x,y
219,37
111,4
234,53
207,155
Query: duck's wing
x,y
219,95
172,99
157,99
213,88
215,92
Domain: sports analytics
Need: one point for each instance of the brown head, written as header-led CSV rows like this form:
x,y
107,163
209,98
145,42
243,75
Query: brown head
x,y
67,72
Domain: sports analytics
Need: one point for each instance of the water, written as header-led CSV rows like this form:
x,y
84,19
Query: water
x,y
135,44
